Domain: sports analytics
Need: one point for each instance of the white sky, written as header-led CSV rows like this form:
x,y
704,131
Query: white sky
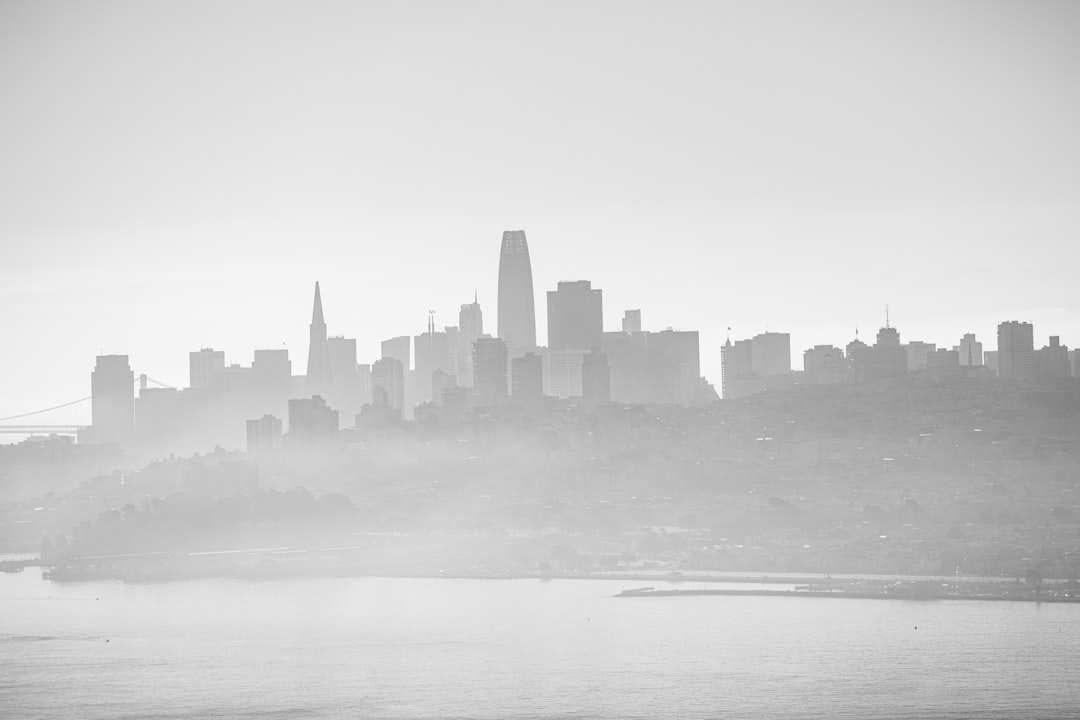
x,y
177,175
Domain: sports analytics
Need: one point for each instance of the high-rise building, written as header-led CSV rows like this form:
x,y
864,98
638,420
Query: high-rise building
x,y
888,358
204,366
1016,351
675,366
527,379
363,380
318,365
400,348
263,434
943,365
595,379
112,398
824,365
628,364
770,354
470,328
737,376
311,420
433,352
490,361
388,384
971,351
917,353
990,358
344,391
1052,362
517,311
631,321
575,316
564,372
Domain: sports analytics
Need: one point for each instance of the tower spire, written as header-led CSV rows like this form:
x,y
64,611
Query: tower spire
x,y
316,310
318,367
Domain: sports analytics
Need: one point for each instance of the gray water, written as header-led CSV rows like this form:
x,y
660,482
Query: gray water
x,y
415,648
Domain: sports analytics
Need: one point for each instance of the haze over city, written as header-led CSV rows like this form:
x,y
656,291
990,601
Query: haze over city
x,y
382,149
474,359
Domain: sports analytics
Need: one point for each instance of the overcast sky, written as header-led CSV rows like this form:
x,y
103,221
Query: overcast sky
x,y
177,175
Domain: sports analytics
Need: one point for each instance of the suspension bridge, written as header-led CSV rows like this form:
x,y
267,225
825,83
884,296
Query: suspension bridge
x,y
64,419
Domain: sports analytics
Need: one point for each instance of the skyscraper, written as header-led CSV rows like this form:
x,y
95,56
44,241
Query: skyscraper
x,y
470,328
112,398
971,350
490,360
1016,351
517,311
770,354
203,366
595,379
575,316
527,373
318,364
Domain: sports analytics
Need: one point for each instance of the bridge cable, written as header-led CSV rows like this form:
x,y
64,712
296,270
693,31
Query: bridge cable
x,y
38,412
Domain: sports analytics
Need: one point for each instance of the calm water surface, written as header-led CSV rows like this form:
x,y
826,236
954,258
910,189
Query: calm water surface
x,y
410,648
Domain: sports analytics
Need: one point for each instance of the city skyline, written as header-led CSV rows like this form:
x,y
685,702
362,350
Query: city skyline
x,y
317,349
937,165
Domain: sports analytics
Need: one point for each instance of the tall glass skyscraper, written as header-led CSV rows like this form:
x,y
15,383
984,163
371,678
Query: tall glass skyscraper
x,y
517,312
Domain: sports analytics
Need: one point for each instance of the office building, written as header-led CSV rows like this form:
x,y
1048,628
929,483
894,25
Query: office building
x,y
1016,351
631,321
470,329
311,421
770,354
575,316
595,379
737,376
516,311
344,391
917,353
564,373
388,385
1052,362
971,351
824,365
527,379
264,434
204,366
112,398
944,365
491,365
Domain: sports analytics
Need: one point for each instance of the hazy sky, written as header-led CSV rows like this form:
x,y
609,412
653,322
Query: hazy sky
x,y
177,175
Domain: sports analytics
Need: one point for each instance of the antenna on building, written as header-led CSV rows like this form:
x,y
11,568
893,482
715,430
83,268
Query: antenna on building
x,y
886,315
